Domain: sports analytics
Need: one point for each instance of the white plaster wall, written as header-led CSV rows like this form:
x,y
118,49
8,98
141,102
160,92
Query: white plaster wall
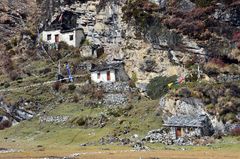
x,y
53,33
103,77
66,38
77,37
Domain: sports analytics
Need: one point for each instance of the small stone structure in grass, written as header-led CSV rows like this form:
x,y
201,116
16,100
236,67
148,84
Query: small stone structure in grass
x,y
189,126
183,130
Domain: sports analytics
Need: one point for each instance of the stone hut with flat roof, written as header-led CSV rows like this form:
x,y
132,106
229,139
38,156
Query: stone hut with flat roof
x,y
189,126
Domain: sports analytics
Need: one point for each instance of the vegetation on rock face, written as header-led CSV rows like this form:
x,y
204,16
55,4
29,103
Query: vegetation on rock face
x,y
202,23
221,100
158,86
203,3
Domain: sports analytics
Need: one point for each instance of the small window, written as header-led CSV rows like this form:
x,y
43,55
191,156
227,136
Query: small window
x,y
71,37
49,37
99,75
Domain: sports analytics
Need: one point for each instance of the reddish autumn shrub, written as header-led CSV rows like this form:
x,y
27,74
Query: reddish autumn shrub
x,y
236,131
98,94
149,6
199,25
7,63
57,86
173,22
5,124
198,13
236,37
238,45
217,62
187,28
236,3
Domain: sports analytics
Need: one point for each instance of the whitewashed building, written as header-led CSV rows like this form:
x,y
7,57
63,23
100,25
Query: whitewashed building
x,y
109,73
72,37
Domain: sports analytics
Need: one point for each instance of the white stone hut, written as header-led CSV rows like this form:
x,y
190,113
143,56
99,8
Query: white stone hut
x,y
72,37
109,72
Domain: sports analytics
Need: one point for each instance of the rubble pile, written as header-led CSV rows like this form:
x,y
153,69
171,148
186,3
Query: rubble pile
x,y
159,136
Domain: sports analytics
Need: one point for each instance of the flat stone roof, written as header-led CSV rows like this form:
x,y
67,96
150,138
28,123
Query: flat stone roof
x,y
186,121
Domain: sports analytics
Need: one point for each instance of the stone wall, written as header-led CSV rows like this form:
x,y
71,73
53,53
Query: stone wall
x,y
227,78
116,87
115,93
115,99
53,119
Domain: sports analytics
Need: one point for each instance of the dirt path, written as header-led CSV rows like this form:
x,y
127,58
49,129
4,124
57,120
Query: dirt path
x,y
127,154
39,84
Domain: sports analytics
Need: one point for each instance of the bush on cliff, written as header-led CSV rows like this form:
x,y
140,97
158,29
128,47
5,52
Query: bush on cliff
x,y
158,86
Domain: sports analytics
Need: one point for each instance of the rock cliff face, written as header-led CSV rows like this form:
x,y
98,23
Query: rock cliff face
x,y
15,16
153,38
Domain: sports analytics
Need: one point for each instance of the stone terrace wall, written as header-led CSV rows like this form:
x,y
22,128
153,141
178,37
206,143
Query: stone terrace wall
x,y
115,94
117,87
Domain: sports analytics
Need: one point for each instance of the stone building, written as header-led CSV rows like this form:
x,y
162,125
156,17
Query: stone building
x,y
63,28
109,72
189,126
72,37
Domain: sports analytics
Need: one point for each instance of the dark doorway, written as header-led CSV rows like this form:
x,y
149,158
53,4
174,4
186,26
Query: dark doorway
x,y
108,76
178,132
57,38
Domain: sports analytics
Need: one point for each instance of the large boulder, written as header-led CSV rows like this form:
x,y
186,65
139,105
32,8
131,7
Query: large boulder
x,y
4,122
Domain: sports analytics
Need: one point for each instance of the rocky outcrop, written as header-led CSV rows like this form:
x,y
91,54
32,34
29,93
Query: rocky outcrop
x,y
13,17
183,106
13,114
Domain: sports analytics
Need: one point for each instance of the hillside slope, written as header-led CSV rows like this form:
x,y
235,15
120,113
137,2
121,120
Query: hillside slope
x,y
161,43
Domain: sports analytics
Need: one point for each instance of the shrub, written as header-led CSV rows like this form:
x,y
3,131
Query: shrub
x,y
173,22
14,75
7,63
71,87
218,62
184,92
132,84
203,3
134,77
14,41
45,70
8,45
63,46
56,86
6,85
235,131
98,94
5,124
229,117
76,98
158,86
236,36
236,39
86,89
